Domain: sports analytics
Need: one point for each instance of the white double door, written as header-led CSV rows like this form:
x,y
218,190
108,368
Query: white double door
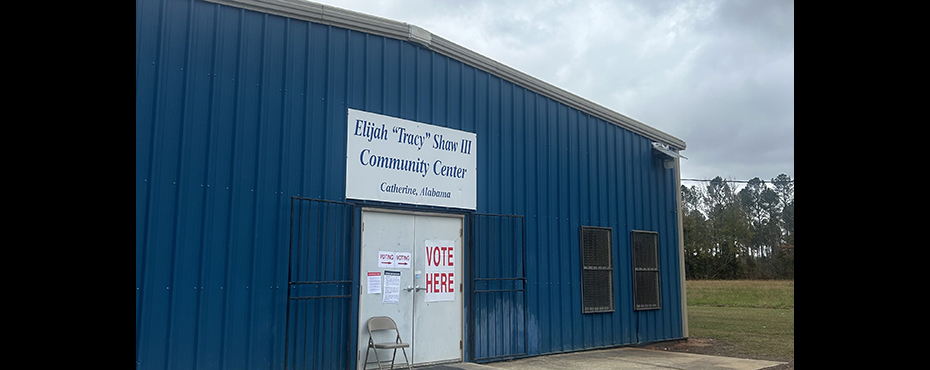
x,y
417,259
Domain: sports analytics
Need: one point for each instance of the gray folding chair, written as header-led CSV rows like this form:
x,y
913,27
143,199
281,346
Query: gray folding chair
x,y
381,323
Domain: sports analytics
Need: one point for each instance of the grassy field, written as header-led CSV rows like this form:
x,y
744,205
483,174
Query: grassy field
x,y
755,317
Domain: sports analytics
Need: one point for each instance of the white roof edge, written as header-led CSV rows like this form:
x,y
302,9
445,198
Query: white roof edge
x,y
334,16
664,149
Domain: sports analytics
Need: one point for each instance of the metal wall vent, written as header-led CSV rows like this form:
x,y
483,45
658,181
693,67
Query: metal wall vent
x,y
646,284
597,272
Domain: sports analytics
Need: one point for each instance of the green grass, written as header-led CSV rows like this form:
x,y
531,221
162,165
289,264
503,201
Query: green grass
x,y
755,317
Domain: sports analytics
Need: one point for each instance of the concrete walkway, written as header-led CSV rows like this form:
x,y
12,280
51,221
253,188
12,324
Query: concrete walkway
x,y
616,359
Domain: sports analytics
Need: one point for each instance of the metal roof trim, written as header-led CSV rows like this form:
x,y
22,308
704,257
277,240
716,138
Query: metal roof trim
x,y
664,149
334,16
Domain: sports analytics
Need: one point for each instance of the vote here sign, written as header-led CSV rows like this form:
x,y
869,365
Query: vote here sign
x,y
440,270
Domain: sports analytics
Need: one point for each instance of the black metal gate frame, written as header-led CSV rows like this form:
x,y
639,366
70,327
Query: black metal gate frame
x,y
475,280
471,217
350,208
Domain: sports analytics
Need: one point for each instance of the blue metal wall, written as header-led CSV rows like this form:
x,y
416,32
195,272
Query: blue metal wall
x,y
237,111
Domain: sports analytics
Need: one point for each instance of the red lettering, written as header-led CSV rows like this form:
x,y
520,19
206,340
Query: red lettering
x,y
451,283
443,283
429,283
449,258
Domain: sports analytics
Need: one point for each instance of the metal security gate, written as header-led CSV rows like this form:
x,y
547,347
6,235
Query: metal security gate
x,y
498,305
319,309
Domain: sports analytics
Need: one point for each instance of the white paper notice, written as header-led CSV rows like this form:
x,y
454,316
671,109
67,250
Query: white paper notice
x,y
385,259
374,283
402,260
391,287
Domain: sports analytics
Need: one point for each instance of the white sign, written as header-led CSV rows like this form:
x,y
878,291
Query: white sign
x,y
391,287
440,270
402,260
385,259
374,282
395,160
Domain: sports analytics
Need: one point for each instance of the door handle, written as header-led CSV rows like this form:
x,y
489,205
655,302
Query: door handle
x,y
409,288
419,289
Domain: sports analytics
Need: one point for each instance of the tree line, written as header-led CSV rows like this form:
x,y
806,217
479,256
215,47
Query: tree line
x,y
745,234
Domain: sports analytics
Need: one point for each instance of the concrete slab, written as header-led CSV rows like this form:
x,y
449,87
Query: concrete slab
x,y
617,359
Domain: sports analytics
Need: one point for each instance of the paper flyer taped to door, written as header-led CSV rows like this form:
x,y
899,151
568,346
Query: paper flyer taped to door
x,y
391,287
402,260
374,282
386,259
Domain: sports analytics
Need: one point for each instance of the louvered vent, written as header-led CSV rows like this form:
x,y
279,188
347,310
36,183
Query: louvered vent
x,y
597,272
646,285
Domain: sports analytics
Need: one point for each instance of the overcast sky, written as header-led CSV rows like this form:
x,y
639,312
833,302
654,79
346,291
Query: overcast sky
x,y
717,74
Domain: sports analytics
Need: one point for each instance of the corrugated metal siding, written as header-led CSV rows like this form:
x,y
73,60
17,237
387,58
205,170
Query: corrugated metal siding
x,y
237,111
497,305
320,287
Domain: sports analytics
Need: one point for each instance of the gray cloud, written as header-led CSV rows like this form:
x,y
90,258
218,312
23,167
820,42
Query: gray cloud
x,y
717,74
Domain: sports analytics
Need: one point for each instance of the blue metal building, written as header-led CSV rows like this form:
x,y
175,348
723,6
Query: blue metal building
x,y
251,245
